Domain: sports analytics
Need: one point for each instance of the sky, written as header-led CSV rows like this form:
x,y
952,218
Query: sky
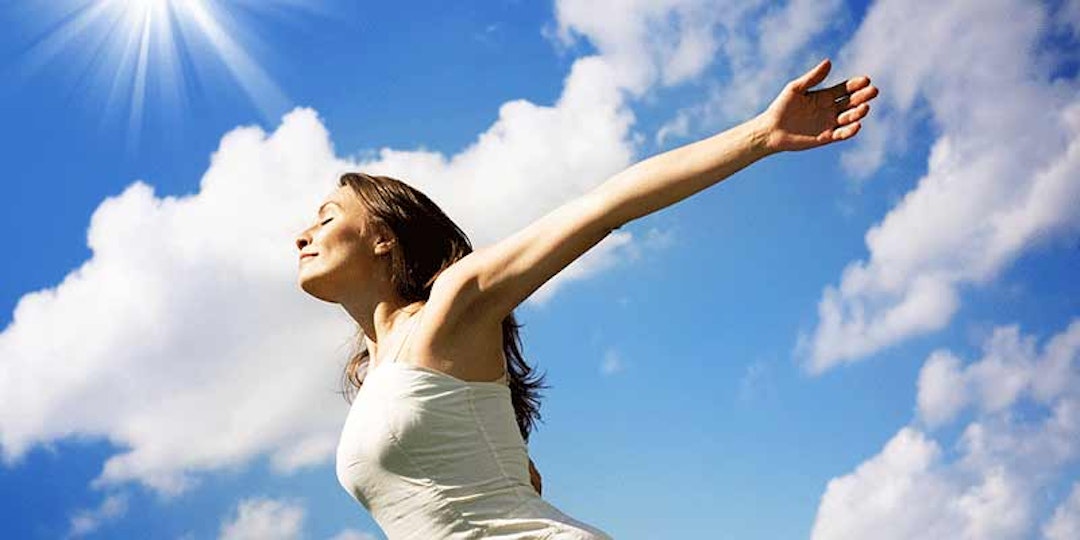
x,y
877,338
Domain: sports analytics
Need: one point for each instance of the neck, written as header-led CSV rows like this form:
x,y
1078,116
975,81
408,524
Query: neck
x,y
378,317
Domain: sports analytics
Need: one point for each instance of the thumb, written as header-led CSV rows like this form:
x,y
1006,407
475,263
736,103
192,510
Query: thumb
x,y
812,77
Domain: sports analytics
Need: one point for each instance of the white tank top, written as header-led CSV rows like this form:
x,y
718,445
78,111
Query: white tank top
x,y
432,456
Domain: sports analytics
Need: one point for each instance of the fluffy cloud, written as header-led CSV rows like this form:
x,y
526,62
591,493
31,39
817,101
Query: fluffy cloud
x,y
1001,172
1011,451
184,340
763,46
264,519
530,160
87,521
261,518
1010,369
668,42
995,185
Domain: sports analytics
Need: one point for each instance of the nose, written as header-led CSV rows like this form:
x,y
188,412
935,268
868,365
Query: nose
x,y
302,240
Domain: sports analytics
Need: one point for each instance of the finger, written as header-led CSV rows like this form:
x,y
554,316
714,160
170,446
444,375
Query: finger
x,y
853,114
854,84
848,90
846,132
862,96
812,77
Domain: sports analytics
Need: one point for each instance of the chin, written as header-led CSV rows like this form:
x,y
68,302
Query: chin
x,y
318,286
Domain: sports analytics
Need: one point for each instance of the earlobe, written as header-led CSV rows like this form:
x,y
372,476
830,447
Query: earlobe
x,y
384,246
383,238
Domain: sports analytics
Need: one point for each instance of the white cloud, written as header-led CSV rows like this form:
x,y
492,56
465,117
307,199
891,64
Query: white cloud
x,y
1010,369
1065,523
532,159
941,388
1001,174
87,521
991,485
676,127
763,46
612,363
264,519
937,238
884,491
353,534
649,42
184,339
668,42
655,239
261,518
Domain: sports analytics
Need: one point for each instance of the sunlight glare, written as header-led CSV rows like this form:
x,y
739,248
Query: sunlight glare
x,y
142,54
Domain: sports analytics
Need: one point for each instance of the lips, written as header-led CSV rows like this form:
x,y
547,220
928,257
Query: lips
x,y
307,255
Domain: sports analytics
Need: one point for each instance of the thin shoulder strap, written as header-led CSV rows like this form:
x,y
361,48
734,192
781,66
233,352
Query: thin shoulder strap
x,y
413,323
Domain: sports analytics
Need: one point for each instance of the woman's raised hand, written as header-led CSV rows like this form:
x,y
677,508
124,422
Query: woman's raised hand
x,y
800,118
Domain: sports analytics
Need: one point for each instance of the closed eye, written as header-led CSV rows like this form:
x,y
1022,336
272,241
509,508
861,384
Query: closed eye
x,y
327,220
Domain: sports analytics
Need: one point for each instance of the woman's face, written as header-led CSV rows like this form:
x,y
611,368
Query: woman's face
x,y
338,250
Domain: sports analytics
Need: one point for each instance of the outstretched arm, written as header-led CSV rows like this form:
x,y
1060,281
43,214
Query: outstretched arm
x,y
797,119
495,279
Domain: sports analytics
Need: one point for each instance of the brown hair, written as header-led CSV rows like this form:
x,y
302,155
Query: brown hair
x,y
428,242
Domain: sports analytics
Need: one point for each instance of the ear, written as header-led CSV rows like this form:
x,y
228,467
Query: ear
x,y
383,240
384,245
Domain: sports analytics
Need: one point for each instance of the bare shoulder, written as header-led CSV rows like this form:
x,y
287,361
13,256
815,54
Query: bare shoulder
x,y
452,338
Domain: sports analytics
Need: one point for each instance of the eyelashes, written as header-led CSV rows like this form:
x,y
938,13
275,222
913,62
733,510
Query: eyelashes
x,y
327,220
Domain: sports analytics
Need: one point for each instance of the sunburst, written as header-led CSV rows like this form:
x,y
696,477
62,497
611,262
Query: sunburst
x,y
138,53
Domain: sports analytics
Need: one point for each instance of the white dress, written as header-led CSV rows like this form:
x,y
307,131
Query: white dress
x,y
432,456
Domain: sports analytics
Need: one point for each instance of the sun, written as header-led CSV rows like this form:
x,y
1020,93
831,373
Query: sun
x,y
137,54
146,4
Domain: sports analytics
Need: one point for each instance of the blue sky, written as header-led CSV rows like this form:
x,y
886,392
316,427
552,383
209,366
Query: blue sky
x,y
878,335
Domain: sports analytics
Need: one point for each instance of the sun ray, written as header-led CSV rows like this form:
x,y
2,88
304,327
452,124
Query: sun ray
x,y
72,26
139,55
259,87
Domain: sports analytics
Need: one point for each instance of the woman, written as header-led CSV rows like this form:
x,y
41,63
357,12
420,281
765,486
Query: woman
x,y
434,443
